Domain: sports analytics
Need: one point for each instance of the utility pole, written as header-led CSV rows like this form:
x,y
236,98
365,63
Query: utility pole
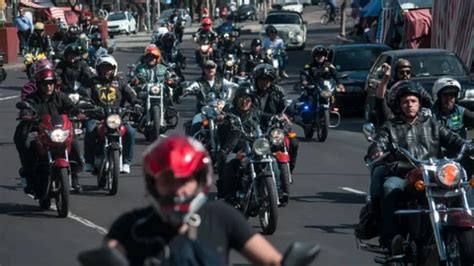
x,y
343,19
148,18
159,8
118,5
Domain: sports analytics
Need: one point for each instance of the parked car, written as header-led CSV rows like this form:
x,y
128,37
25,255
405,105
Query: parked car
x,y
182,12
353,62
427,66
121,22
290,25
247,12
289,5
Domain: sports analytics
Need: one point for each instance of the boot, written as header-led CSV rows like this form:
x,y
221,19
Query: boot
x,y
75,187
26,181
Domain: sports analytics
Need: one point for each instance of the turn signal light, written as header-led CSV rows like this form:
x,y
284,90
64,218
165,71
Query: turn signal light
x,y
419,185
205,123
292,134
471,182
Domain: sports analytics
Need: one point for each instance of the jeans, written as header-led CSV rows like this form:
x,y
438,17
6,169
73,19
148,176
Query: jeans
x,y
91,141
283,61
24,37
393,190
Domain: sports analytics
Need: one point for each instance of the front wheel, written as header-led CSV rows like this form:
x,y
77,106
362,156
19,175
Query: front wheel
x,y
114,171
323,126
459,246
308,132
324,19
62,198
268,214
156,122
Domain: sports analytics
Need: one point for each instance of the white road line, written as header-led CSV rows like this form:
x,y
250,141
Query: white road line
x,y
9,97
79,219
352,190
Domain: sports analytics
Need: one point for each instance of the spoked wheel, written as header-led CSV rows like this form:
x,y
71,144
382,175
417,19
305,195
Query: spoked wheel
x,y
268,214
324,19
62,196
323,126
114,171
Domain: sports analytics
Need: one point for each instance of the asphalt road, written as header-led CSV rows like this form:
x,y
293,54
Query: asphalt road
x,y
322,208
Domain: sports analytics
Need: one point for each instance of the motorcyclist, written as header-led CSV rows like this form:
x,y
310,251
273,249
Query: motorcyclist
x,y
178,174
60,35
428,137
73,70
72,34
151,70
320,64
231,140
39,41
30,87
445,94
171,54
403,71
95,49
231,44
46,100
207,83
277,45
174,17
206,30
109,90
206,51
249,60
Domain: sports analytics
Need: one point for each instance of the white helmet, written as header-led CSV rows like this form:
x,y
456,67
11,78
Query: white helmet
x,y
443,84
107,59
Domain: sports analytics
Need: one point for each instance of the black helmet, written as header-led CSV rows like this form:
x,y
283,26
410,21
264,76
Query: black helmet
x,y
74,30
264,70
270,29
244,89
319,49
168,39
234,34
400,89
96,39
72,49
256,42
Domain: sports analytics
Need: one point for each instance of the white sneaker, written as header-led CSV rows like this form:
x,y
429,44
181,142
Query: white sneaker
x,y
88,167
125,169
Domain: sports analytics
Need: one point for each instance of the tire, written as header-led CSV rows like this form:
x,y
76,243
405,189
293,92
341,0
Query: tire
x,y
114,169
308,133
459,244
285,175
323,128
156,122
268,214
62,198
324,19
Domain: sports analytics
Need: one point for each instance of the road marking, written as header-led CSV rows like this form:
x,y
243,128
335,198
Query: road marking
x,y
79,219
9,97
352,190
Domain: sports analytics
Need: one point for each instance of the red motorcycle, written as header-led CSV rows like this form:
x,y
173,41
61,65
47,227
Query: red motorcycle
x,y
53,141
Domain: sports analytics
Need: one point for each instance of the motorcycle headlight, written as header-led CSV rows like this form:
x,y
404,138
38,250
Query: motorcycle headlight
x,y
74,97
449,174
155,90
204,48
113,121
59,135
277,136
261,147
326,94
229,63
220,105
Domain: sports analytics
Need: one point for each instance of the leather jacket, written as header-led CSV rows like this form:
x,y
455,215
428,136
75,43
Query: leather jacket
x,y
424,139
271,104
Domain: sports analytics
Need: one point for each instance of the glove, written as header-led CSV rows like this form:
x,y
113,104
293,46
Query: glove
x,y
137,108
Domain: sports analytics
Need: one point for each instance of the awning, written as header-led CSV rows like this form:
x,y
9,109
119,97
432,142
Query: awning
x,y
29,3
57,13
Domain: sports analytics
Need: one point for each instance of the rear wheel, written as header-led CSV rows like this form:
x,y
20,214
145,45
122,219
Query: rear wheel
x,y
62,198
268,214
324,19
114,171
323,126
156,122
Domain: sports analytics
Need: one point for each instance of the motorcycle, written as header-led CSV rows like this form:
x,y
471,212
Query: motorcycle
x,y
257,194
315,109
231,66
326,17
179,28
154,96
438,197
53,169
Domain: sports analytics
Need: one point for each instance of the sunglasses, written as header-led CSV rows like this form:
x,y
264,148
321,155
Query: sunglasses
x,y
245,99
47,82
407,72
206,24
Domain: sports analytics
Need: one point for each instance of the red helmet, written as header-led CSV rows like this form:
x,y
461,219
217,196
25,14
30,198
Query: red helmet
x,y
206,24
184,158
44,75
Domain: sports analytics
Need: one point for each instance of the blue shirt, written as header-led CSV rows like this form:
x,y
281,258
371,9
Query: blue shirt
x,y
23,23
277,46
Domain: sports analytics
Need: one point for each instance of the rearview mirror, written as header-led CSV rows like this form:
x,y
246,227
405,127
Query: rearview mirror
x,y
300,254
369,131
23,105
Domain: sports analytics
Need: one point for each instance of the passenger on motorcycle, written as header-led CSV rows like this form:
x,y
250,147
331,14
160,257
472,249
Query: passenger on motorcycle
x,y
46,100
178,174
231,141
319,63
271,99
445,94
30,87
206,29
39,41
73,70
96,49
207,83
274,42
428,137
109,90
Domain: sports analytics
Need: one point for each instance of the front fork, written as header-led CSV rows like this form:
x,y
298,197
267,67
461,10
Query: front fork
x,y
108,148
57,163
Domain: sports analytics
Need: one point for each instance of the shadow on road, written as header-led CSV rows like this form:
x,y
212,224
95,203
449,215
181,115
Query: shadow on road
x,y
23,210
332,229
12,188
331,197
